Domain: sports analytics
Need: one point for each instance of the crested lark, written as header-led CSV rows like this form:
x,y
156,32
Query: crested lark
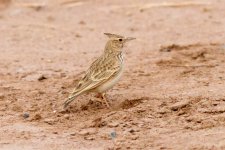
x,y
104,72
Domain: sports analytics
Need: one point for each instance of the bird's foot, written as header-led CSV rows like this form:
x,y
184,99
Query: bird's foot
x,y
102,99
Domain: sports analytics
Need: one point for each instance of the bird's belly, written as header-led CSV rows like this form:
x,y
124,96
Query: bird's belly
x,y
109,84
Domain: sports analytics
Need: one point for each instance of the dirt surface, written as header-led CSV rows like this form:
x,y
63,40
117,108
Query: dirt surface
x,y
171,95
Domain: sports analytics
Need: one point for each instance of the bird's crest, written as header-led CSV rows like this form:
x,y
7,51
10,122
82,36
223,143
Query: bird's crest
x,y
110,35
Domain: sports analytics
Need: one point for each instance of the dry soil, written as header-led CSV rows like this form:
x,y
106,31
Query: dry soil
x,y
171,95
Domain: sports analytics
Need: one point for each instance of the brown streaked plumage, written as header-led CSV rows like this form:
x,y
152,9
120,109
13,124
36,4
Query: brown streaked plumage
x,y
104,72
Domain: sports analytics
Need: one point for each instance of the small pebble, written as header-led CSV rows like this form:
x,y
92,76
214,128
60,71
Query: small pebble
x,y
42,77
113,124
37,117
49,121
66,116
131,131
113,134
78,35
82,22
73,134
1,96
26,115
135,137
55,132
89,138
86,132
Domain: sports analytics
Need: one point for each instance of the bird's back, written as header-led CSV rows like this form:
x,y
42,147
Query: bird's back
x,y
103,68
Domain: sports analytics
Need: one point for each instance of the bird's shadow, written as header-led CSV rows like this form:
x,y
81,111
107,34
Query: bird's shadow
x,y
117,102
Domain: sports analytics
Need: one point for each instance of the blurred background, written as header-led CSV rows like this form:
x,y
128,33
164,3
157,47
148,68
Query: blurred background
x,y
59,27
170,97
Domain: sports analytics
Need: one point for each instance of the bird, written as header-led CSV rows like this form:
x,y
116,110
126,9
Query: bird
x,y
104,72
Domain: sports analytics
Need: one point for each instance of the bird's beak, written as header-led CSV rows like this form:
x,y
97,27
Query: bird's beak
x,y
130,38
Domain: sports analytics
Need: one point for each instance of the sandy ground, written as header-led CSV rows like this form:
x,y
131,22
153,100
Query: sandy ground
x,y
171,95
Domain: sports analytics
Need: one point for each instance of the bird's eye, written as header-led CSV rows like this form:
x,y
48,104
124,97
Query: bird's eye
x,y
120,40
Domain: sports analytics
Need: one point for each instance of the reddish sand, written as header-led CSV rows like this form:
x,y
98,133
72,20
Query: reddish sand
x,y
171,95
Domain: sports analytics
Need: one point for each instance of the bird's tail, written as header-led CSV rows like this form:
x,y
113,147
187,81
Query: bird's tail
x,y
71,98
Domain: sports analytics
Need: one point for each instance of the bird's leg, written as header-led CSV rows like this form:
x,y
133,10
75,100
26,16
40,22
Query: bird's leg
x,y
103,98
99,98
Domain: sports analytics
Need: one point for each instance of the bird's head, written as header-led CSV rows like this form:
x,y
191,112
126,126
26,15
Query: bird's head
x,y
116,42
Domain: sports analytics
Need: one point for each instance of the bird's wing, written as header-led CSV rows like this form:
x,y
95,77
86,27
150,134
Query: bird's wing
x,y
99,72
